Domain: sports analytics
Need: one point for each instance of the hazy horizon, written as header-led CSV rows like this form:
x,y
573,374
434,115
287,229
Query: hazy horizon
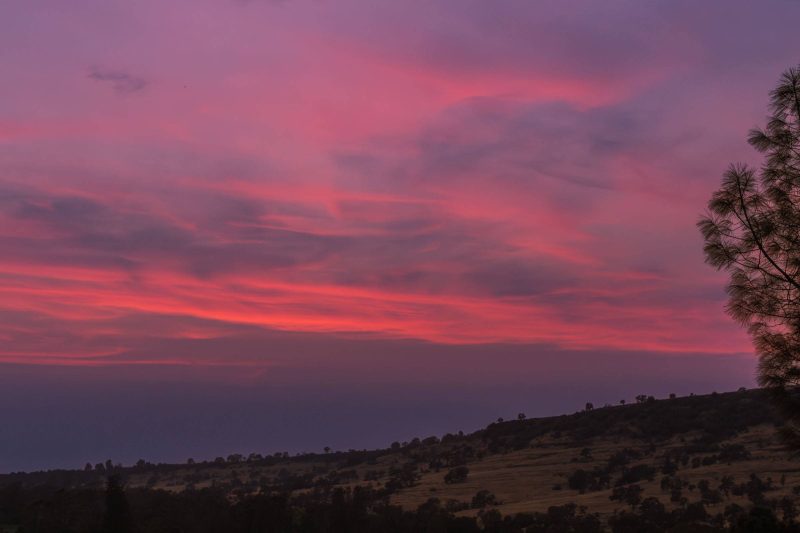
x,y
101,413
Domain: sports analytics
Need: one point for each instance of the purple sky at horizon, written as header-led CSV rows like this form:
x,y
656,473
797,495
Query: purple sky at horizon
x,y
363,221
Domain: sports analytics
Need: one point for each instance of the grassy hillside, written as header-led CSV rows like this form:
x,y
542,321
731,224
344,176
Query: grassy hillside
x,y
719,449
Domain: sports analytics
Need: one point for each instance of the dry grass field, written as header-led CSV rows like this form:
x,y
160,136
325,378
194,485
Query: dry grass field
x,y
524,480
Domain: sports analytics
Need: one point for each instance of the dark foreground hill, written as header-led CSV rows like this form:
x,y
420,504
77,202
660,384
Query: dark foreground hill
x,y
695,463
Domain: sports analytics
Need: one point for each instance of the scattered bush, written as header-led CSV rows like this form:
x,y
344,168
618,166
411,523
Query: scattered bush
x,y
457,475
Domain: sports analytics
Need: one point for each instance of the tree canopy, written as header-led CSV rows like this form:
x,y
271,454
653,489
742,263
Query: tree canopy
x,y
752,231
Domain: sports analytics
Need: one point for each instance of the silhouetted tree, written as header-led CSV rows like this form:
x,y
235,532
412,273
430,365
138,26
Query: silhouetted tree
x,y
117,518
579,480
457,475
726,484
758,519
752,231
483,498
630,494
789,509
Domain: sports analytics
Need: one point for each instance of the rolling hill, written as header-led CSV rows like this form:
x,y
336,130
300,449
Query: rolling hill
x,y
716,455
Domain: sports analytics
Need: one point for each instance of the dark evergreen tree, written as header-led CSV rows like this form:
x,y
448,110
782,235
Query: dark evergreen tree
x,y
752,231
117,518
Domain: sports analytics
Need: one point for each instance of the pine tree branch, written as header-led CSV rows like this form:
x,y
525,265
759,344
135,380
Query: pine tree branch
x,y
757,240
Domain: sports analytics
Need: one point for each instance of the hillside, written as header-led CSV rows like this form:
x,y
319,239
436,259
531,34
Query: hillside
x,y
718,449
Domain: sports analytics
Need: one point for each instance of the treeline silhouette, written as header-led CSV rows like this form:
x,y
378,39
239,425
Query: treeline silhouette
x,y
357,510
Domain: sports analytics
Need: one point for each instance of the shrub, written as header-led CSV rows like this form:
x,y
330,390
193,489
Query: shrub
x,y
457,475
483,498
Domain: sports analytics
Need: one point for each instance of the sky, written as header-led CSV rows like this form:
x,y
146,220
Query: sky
x,y
257,226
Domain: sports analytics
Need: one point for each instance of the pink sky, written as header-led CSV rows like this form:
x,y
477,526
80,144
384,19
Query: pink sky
x,y
181,182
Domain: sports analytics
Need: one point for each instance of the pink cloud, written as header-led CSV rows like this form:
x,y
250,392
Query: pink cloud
x,y
458,176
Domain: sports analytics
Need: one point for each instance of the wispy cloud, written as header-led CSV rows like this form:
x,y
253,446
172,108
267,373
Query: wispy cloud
x,y
121,82
445,171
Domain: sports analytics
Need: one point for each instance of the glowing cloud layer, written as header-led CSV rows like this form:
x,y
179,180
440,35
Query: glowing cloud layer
x,y
180,181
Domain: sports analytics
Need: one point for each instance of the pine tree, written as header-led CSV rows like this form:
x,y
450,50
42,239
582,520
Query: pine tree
x,y
752,231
